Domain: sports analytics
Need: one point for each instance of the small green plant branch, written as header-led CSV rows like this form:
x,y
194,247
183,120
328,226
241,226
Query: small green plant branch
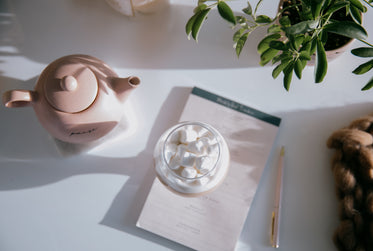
x,y
364,52
289,45
194,24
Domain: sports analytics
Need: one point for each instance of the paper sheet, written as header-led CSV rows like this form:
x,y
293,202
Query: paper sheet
x,y
214,221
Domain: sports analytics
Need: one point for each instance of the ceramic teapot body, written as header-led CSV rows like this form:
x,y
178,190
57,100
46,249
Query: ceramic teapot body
x,y
77,98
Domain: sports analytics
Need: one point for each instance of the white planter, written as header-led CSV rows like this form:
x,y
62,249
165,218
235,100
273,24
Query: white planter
x,y
130,7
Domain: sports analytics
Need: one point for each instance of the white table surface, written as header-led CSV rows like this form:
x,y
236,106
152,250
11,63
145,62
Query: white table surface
x,y
91,201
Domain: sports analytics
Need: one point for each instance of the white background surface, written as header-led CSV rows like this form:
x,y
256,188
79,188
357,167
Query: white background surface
x,y
91,201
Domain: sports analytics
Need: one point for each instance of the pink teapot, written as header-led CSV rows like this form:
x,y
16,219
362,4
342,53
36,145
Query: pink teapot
x,y
77,98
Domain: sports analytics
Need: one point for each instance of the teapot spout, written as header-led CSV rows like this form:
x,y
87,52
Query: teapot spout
x,y
123,86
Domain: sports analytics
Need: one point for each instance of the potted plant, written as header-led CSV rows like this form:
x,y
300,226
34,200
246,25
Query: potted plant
x,y
302,30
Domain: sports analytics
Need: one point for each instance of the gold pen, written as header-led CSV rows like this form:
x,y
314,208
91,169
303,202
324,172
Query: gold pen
x,y
275,238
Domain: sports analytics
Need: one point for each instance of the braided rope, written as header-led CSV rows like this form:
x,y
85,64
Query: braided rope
x,y
352,167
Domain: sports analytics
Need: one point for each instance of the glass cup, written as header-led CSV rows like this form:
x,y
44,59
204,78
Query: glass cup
x,y
191,158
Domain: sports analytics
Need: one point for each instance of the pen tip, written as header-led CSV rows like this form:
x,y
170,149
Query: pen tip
x,y
282,151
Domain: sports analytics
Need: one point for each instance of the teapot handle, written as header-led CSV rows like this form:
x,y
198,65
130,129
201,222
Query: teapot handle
x,y
19,98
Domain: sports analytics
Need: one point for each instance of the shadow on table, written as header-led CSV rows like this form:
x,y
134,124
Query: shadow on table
x,y
310,207
127,205
34,164
156,41
309,201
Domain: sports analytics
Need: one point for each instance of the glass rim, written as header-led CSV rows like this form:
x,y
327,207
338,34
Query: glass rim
x,y
207,127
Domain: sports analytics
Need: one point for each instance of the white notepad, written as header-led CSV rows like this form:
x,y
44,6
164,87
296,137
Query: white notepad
x,y
214,221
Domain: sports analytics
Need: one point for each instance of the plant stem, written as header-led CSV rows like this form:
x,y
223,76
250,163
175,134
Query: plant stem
x,y
257,6
365,42
368,3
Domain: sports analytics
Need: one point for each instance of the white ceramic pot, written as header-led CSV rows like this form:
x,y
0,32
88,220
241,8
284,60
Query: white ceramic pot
x,y
130,7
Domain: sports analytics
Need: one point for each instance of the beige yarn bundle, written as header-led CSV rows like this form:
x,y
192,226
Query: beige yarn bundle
x,y
352,166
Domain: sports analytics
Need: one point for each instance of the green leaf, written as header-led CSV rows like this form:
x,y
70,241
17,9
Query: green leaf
x,y
189,25
226,12
238,34
197,24
274,28
347,29
336,6
284,56
323,36
321,65
298,41
304,55
304,63
263,19
363,68
248,10
316,7
241,43
199,8
356,14
278,45
306,13
285,21
267,56
306,46
363,52
279,68
326,4
288,74
307,38
241,20
313,46
294,42
302,27
368,85
264,44
359,5
298,68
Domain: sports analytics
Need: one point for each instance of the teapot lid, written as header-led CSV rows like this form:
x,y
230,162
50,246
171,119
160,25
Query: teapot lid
x,y
69,86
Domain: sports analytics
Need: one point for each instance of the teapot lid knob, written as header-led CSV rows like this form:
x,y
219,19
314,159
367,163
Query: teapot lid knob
x,y
71,88
69,83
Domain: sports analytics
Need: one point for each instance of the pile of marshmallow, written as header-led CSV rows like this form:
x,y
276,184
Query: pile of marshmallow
x,y
191,151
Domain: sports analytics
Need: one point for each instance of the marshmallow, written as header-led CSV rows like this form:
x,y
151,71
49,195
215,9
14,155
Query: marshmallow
x,y
174,138
169,151
188,159
189,172
205,140
212,149
202,181
174,163
211,145
188,135
205,164
213,141
168,155
172,147
204,133
181,150
200,130
198,147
